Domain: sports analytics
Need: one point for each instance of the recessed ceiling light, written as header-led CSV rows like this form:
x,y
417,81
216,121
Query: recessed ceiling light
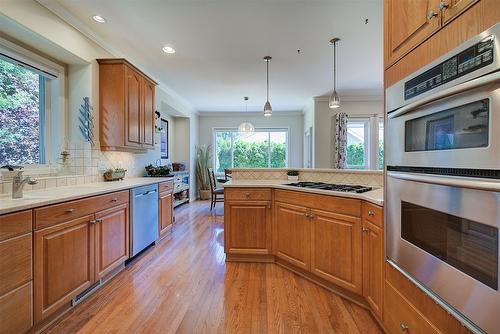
x,y
99,19
168,49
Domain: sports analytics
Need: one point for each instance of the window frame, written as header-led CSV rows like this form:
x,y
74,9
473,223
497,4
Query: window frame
x,y
262,129
371,140
54,97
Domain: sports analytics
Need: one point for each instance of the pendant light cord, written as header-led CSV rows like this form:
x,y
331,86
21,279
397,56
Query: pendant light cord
x,y
267,76
334,67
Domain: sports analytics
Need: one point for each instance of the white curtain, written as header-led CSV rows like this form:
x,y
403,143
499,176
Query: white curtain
x,y
340,145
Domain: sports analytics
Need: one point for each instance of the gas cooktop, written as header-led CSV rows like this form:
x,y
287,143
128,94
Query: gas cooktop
x,y
331,186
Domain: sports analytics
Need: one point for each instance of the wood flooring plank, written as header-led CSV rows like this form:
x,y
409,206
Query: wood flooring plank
x,y
183,285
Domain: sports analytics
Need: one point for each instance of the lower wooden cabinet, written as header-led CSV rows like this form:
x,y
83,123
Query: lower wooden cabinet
x,y
111,239
292,234
250,230
16,310
64,264
165,212
373,267
336,252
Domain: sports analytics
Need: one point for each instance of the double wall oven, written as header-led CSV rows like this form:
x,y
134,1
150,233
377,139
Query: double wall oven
x,y
443,180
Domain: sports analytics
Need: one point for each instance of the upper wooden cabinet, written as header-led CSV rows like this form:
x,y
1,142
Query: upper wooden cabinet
x,y
126,107
452,8
407,24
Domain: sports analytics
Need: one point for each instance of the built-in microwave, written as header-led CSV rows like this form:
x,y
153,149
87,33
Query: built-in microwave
x,y
442,209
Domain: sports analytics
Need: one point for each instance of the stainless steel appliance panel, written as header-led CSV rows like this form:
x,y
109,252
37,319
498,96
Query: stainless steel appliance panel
x,y
477,298
143,217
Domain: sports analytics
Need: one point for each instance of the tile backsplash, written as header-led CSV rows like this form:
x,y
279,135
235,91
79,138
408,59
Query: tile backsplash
x,y
368,178
85,164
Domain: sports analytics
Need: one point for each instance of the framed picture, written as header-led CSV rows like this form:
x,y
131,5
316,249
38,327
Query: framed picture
x,y
164,139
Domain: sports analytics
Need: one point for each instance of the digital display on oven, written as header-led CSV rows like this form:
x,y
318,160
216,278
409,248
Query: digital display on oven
x,y
475,57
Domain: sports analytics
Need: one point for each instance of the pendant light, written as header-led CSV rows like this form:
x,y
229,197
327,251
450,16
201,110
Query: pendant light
x,y
268,111
334,101
246,126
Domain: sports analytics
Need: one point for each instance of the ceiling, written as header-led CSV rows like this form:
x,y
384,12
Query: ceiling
x,y
220,45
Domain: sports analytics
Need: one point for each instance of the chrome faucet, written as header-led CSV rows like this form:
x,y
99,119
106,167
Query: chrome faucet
x,y
18,184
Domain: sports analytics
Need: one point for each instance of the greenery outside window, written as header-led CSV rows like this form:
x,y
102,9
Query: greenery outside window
x,y
264,148
365,143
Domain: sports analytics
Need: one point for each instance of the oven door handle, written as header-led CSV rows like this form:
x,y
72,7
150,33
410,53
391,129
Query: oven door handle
x,y
448,181
475,83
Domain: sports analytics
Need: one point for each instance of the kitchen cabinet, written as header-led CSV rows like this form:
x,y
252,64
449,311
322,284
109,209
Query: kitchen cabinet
x,y
292,234
453,8
165,208
64,264
248,231
76,243
407,24
337,249
373,266
111,238
126,107
16,272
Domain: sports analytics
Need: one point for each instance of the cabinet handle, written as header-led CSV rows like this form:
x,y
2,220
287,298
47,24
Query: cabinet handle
x,y
114,200
307,215
70,210
371,213
93,222
247,195
443,5
364,229
98,220
431,15
404,327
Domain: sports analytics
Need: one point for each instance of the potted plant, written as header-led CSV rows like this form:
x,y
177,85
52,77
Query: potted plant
x,y
114,174
293,175
203,154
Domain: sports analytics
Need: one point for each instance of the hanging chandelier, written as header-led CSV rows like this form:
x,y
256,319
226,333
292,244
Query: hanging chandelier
x,y
334,101
246,126
268,111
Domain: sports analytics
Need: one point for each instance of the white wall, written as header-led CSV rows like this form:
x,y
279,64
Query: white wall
x,y
291,120
323,134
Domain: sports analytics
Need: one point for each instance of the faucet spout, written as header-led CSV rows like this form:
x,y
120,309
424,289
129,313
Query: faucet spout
x,y
18,183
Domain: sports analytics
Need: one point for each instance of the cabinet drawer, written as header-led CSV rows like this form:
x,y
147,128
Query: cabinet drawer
x,y
15,254
178,178
165,186
247,194
16,314
401,316
53,214
373,213
14,224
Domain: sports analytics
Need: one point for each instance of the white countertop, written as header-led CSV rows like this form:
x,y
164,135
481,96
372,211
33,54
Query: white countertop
x,y
37,198
375,196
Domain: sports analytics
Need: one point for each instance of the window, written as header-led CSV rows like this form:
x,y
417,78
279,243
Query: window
x,y
264,148
365,143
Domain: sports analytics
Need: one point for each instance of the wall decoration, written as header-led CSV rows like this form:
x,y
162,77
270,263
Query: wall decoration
x,y
164,138
86,121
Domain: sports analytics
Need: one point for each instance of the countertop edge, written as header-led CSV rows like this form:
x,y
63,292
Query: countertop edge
x,y
120,185
363,196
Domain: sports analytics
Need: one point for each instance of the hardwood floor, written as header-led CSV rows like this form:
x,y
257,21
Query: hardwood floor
x,y
183,285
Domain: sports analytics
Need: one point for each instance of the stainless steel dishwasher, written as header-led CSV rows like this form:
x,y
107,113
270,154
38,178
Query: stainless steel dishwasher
x,y
143,217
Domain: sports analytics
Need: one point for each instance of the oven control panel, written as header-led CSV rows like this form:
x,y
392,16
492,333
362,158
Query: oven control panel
x,y
475,57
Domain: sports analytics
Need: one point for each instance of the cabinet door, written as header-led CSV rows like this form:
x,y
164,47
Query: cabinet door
x,y
336,249
407,24
248,227
292,230
452,8
112,239
64,264
148,109
166,213
133,108
373,266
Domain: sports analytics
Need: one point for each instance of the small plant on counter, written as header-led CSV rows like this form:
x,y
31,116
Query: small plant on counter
x,y
114,174
158,171
293,175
